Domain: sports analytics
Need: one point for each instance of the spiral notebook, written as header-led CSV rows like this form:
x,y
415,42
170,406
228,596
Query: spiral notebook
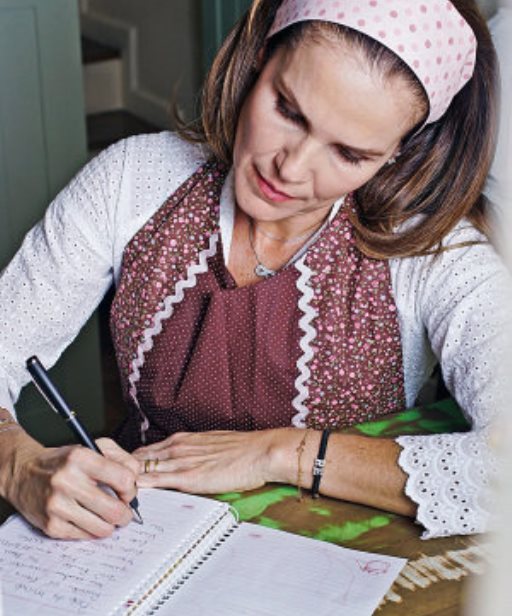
x,y
192,557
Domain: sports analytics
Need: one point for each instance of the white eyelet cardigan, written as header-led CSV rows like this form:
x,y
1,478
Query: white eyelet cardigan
x,y
454,308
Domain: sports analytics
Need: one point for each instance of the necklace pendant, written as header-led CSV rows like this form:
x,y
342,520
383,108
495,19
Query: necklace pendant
x,y
264,272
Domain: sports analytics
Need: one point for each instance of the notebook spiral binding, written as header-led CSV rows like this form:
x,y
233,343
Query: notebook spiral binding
x,y
153,583
186,575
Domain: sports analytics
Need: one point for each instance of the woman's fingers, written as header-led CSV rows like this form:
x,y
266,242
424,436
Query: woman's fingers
x,y
175,465
207,462
191,475
103,510
149,451
79,498
181,438
71,514
125,486
88,469
111,450
183,480
60,490
60,529
183,444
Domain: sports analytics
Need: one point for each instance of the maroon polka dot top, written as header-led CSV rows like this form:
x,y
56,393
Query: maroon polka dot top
x,y
316,345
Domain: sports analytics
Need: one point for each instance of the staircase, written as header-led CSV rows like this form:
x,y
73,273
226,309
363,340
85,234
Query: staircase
x,y
107,120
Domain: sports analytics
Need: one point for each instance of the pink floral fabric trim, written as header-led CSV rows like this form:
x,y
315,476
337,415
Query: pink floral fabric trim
x,y
356,371
159,264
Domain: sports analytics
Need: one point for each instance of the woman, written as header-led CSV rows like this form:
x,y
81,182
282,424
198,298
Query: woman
x,y
318,246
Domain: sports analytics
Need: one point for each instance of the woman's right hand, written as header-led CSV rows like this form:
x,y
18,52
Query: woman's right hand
x,y
57,489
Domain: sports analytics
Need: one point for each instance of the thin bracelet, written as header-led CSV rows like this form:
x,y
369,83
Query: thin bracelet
x,y
10,427
300,451
319,464
8,424
7,421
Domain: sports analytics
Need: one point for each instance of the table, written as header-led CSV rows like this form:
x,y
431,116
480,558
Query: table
x,y
432,582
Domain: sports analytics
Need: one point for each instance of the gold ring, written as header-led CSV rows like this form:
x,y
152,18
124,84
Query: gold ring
x,y
147,466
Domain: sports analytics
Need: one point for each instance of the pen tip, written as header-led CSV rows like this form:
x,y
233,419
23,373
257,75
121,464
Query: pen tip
x,y
137,517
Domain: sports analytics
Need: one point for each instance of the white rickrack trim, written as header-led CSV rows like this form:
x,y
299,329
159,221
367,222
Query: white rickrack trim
x,y
309,313
168,308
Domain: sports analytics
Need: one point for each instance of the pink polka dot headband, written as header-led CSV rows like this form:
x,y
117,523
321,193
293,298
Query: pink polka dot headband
x,y
430,36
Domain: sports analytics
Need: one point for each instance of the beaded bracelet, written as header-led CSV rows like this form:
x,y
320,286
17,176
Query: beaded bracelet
x,y
319,464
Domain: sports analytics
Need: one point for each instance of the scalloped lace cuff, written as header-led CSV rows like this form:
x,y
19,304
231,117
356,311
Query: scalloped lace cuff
x,y
449,478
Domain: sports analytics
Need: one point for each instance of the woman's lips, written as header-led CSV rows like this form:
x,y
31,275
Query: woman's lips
x,y
269,192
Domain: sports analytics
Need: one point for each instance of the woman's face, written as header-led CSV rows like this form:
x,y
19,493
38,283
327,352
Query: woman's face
x,y
318,123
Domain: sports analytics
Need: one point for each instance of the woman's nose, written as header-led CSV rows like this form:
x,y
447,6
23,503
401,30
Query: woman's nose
x,y
295,162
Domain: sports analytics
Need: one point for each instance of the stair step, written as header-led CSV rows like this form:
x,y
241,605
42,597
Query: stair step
x,y
106,128
103,86
93,51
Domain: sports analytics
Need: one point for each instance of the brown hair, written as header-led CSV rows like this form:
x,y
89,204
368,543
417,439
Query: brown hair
x,y
441,170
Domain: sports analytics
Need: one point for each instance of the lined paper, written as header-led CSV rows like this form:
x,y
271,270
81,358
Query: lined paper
x,y
42,576
265,572
238,569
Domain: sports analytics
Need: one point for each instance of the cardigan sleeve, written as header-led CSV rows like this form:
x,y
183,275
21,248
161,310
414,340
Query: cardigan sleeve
x,y
60,273
463,301
68,260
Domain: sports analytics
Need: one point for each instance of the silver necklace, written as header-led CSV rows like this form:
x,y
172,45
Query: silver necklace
x,y
286,240
262,271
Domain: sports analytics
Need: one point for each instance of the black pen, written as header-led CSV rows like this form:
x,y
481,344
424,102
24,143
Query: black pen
x,y
54,398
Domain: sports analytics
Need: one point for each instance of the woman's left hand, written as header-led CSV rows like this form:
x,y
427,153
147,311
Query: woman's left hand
x,y
208,462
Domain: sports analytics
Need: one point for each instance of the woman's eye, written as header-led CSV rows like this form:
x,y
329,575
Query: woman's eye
x,y
285,109
348,157
287,112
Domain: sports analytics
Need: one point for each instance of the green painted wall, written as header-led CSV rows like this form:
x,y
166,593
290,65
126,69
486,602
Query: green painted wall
x,y
218,16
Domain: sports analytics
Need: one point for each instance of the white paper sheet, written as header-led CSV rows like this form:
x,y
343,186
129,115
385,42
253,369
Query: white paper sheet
x,y
254,571
45,577
264,572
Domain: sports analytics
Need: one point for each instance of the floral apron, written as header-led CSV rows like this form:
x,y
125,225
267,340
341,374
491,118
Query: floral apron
x,y
316,345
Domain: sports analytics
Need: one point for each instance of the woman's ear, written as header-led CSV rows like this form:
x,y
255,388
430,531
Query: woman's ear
x,y
259,60
394,157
